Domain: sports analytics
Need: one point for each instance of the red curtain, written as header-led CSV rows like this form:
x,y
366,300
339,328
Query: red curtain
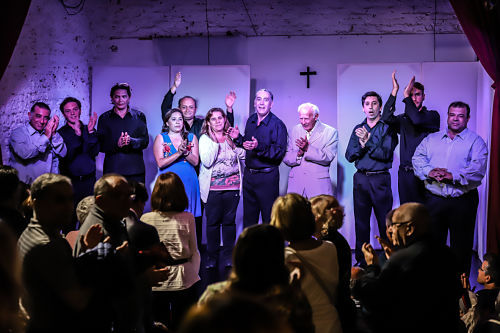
x,y
480,20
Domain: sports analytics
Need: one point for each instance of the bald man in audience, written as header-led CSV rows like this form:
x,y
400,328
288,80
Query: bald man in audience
x,y
418,288
312,146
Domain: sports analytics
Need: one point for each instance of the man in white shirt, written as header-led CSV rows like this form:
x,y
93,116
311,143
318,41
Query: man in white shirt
x,y
452,164
312,146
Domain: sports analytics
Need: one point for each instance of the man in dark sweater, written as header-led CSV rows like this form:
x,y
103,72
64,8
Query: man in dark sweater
x,y
371,148
413,126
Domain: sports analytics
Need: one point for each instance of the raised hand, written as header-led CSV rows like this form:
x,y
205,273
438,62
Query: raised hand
x,y
182,149
233,132
369,253
92,122
177,79
395,84
386,246
92,237
409,87
230,98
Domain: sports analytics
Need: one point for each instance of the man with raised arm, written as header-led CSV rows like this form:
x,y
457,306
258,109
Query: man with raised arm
x,y
265,143
188,105
35,146
371,148
312,146
413,126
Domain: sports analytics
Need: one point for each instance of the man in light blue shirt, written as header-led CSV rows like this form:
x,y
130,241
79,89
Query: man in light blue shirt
x,y
35,147
452,164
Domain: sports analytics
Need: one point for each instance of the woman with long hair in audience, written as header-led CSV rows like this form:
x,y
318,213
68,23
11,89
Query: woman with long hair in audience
x,y
177,232
259,272
329,216
176,151
292,214
220,184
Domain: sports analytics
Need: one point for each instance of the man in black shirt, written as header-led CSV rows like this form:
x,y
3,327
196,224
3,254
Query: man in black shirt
x,y
265,143
82,146
371,148
123,135
413,126
188,106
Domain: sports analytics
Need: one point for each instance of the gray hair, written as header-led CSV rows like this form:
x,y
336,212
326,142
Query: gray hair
x,y
309,106
267,91
42,184
83,208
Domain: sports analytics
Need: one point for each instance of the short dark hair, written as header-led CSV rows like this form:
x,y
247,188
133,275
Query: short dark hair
x,y
117,86
187,96
41,105
41,185
371,94
419,86
69,100
169,194
139,190
459,104
493,269
9,178
268,91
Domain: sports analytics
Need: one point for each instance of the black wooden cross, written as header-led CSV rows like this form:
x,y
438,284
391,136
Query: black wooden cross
x,y
308,73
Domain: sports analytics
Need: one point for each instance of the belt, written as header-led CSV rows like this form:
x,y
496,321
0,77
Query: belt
x,y
369,173
82,178
262,170
406,168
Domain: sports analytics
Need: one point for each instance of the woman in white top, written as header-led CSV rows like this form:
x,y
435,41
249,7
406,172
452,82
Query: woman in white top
x,y
177,232
220,184
292,214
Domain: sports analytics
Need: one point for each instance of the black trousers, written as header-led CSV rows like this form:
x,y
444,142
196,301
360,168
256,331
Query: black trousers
x,y
220,211
82,187
169,307
260,189
371,191
140,177
458,215
410,187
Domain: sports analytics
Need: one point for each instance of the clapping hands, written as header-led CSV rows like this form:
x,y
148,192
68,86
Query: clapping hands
x,y
363,136
124,140
51,127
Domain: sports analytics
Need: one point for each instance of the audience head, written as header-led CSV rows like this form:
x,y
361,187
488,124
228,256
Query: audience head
x,y
52,199
188,106
410,222
458,116
263,102
259,260
120,96
229,313
39,116
71,108
169,194
489,273
418,94
328,213
113,195
10,286
173,121
292,214
10,190
215,122
83,208
139,197
372,104
308,115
